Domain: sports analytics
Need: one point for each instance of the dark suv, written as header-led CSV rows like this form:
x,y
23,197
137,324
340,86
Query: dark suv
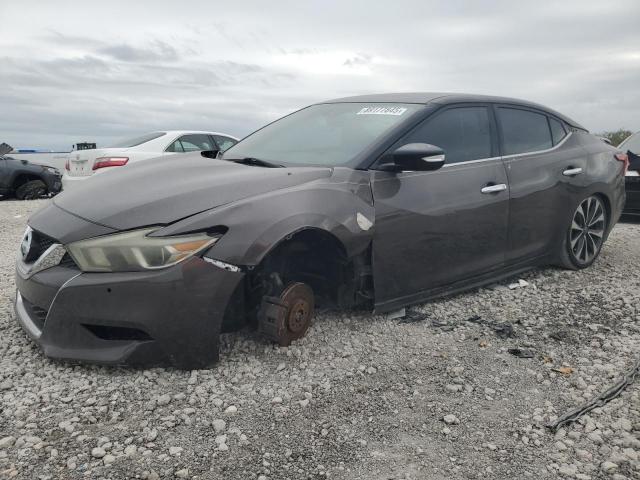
x,y
25,180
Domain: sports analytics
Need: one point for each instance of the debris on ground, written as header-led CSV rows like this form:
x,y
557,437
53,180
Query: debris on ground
x,y
502,330
413,316
521,353
519,284
396,314
563,370
600,400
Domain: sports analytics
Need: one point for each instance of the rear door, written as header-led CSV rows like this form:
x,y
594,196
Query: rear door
x,y
546,168
435,228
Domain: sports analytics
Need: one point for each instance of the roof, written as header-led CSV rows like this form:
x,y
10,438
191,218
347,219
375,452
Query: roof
x,y
187,132
444,98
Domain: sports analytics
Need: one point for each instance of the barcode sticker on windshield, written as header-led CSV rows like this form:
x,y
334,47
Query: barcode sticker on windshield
x,y
382,111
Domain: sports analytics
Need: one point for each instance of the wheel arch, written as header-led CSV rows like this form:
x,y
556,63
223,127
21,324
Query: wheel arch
x,y
21,178
310,254
607,205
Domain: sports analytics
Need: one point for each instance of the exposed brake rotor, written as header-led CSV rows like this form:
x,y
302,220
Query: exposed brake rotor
x,y
287,317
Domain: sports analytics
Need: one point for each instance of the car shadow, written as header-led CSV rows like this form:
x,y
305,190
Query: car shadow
x,y
632,219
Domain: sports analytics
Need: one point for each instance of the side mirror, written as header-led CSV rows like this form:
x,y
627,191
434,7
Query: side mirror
x,y
416,157
210,153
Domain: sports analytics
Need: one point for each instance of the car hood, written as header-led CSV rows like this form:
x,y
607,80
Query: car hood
x,y
164,190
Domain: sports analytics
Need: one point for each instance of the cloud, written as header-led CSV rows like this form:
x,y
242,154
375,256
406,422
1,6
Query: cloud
x,y
159,51
113,69
359,60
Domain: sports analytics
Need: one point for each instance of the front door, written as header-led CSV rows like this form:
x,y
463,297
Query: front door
x,y
436,228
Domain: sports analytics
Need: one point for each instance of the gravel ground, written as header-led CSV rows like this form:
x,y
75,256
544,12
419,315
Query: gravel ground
x,y
362,396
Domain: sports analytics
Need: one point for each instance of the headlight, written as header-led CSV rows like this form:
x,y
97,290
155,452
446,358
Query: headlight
x,y
135,251
55,171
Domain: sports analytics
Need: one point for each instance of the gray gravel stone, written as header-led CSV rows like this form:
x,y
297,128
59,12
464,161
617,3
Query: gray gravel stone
x,y
376,392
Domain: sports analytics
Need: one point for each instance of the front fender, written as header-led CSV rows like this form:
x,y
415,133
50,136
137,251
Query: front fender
x,y
342,207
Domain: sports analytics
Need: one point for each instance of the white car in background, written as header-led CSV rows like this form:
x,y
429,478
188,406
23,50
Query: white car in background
x,y
82,164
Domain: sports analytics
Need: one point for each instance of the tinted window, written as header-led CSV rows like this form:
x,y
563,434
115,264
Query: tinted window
x,y
632,144
326,134
463,133
224,142
196,143
175,147
134,142
524,131
557,130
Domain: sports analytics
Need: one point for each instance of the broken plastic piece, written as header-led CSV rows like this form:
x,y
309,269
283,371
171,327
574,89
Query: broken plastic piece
x,y
413,316
503,330
520,353
223,265
519,284
397,314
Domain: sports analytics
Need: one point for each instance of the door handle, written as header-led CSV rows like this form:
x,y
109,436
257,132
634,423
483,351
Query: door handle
x,y
570,172
494,188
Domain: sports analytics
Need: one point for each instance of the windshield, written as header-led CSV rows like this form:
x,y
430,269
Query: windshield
x,y
328,134
632,144
135,141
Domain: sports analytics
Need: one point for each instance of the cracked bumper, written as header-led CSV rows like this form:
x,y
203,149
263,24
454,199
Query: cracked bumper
x,y
171,316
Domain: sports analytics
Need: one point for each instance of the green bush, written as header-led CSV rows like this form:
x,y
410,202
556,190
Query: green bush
x,y
617,136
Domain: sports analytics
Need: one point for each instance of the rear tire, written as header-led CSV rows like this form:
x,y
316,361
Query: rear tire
x,y
585,235
31,190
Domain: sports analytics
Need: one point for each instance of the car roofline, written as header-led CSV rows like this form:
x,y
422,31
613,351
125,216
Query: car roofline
x,y
449,98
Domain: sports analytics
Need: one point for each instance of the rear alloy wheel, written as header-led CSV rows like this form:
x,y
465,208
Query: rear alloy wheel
x,y
586,233
31,190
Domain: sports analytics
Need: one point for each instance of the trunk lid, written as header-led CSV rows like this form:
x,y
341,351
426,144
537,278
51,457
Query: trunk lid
x,y
81,161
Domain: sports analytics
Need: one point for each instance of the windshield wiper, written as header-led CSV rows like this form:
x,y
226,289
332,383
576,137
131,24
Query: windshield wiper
x,y
256,161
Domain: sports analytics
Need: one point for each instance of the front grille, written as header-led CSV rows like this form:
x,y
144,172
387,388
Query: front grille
x,y
39,244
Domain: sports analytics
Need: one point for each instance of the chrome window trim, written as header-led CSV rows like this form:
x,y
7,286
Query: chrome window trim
x,y
539,152
515,155
466,162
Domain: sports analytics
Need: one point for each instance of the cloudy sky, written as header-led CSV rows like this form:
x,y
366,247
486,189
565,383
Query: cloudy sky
x,y
102,70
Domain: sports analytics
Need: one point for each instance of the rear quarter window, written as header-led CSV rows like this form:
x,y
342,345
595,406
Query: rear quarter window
x,y
558,131
523,131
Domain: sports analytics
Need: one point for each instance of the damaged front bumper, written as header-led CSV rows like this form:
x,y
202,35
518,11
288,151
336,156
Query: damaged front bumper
x,y
170,316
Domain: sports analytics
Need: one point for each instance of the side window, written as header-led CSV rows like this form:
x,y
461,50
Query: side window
x,y
224,142
524,131
175,147
557,130
196,142
463,133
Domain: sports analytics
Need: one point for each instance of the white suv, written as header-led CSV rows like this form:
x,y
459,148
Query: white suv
x,y
82,164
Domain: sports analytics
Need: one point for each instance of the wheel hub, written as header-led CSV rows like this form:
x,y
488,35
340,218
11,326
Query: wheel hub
x,y
287,317
587,230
